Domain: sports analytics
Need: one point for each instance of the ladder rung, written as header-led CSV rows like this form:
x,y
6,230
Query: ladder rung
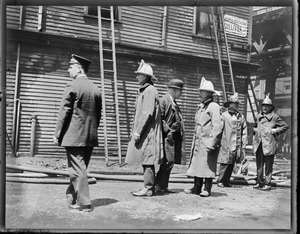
x,y
107,50
107,28
107,8
108,70
108,60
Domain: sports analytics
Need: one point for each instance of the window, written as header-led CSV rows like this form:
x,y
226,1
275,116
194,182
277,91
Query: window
x,y
203,22
105,12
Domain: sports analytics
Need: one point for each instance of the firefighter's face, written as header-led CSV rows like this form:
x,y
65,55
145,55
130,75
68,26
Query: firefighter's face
x,y
141,78
266,109
204,95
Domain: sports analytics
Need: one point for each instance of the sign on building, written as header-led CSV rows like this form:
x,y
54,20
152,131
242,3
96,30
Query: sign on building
x,y
235,25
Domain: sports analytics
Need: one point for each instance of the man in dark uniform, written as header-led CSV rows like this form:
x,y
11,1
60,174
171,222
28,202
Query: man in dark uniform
x,y
76,130
173,134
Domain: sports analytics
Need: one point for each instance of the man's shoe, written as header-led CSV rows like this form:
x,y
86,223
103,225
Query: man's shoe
x,y
143,192
257,186
166,190
221,185
205,194
192,191
228,185
266,188
84,208
158,189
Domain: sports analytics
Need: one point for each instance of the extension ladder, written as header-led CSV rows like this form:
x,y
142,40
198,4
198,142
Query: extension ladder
x,y
225,67
108,71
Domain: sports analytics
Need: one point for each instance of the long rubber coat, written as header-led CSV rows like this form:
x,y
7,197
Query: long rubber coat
x,y
234,138
208,132
147,123
265,123
79,114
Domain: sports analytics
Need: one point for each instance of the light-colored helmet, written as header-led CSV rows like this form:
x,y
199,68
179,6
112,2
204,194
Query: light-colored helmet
x,y
208,86
232,99
145,69
267,101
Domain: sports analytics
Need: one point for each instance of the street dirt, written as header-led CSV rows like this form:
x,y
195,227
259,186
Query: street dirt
x,y
41,207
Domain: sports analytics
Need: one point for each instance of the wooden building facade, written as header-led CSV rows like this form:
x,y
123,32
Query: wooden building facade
x,y
177,41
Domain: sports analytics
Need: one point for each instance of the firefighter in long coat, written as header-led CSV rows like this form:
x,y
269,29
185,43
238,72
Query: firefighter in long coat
x,y
145,146
76,130
173,134
206,141
269,126
233,142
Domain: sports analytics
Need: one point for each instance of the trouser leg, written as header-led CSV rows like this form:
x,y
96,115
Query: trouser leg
x,y
229,170
269,160
149,179
222,173
208,184
78,159
260,165
198,184
163,175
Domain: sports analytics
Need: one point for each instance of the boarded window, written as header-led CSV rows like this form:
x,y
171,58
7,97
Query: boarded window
x,y
203,22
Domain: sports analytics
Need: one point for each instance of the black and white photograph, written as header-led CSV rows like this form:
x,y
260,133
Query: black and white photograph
x,y
148,116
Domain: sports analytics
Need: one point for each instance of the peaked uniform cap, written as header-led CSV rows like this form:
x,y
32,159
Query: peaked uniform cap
x,y
267,101
84,62
176,83
145,69
232,99
206,85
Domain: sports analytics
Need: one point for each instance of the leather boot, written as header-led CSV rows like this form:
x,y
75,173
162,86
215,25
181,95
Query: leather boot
x,y
197,186
207,187
143,192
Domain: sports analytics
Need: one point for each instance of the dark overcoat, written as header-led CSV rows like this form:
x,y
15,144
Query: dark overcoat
x,y
79,114
206,141
174,151
147,123
262,133
234,138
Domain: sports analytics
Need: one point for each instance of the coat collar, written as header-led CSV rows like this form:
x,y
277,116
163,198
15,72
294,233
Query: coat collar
x,y
144,86
269,116
81,76
205,103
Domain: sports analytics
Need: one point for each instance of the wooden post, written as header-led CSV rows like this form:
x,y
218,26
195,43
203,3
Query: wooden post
x,y
32,138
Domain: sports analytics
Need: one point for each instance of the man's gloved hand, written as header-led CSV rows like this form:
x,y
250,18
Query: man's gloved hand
x,y
176,127
55,140
208,149
273,131
136,137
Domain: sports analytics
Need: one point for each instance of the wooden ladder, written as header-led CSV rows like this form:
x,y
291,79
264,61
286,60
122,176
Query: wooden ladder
x,y
108,71
225,67
252,100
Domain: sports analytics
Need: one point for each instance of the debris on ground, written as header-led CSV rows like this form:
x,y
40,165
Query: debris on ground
x,y
187,217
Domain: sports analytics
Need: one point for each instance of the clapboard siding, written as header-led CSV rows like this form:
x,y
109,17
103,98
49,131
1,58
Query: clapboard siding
x,y
41,90
139,25
44,64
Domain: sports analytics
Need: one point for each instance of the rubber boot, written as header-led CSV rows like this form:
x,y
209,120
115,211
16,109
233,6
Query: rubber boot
x,y
197,186
207,187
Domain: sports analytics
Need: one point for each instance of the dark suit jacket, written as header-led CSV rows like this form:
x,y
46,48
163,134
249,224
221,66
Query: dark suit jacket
x,y
79,114
170,114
